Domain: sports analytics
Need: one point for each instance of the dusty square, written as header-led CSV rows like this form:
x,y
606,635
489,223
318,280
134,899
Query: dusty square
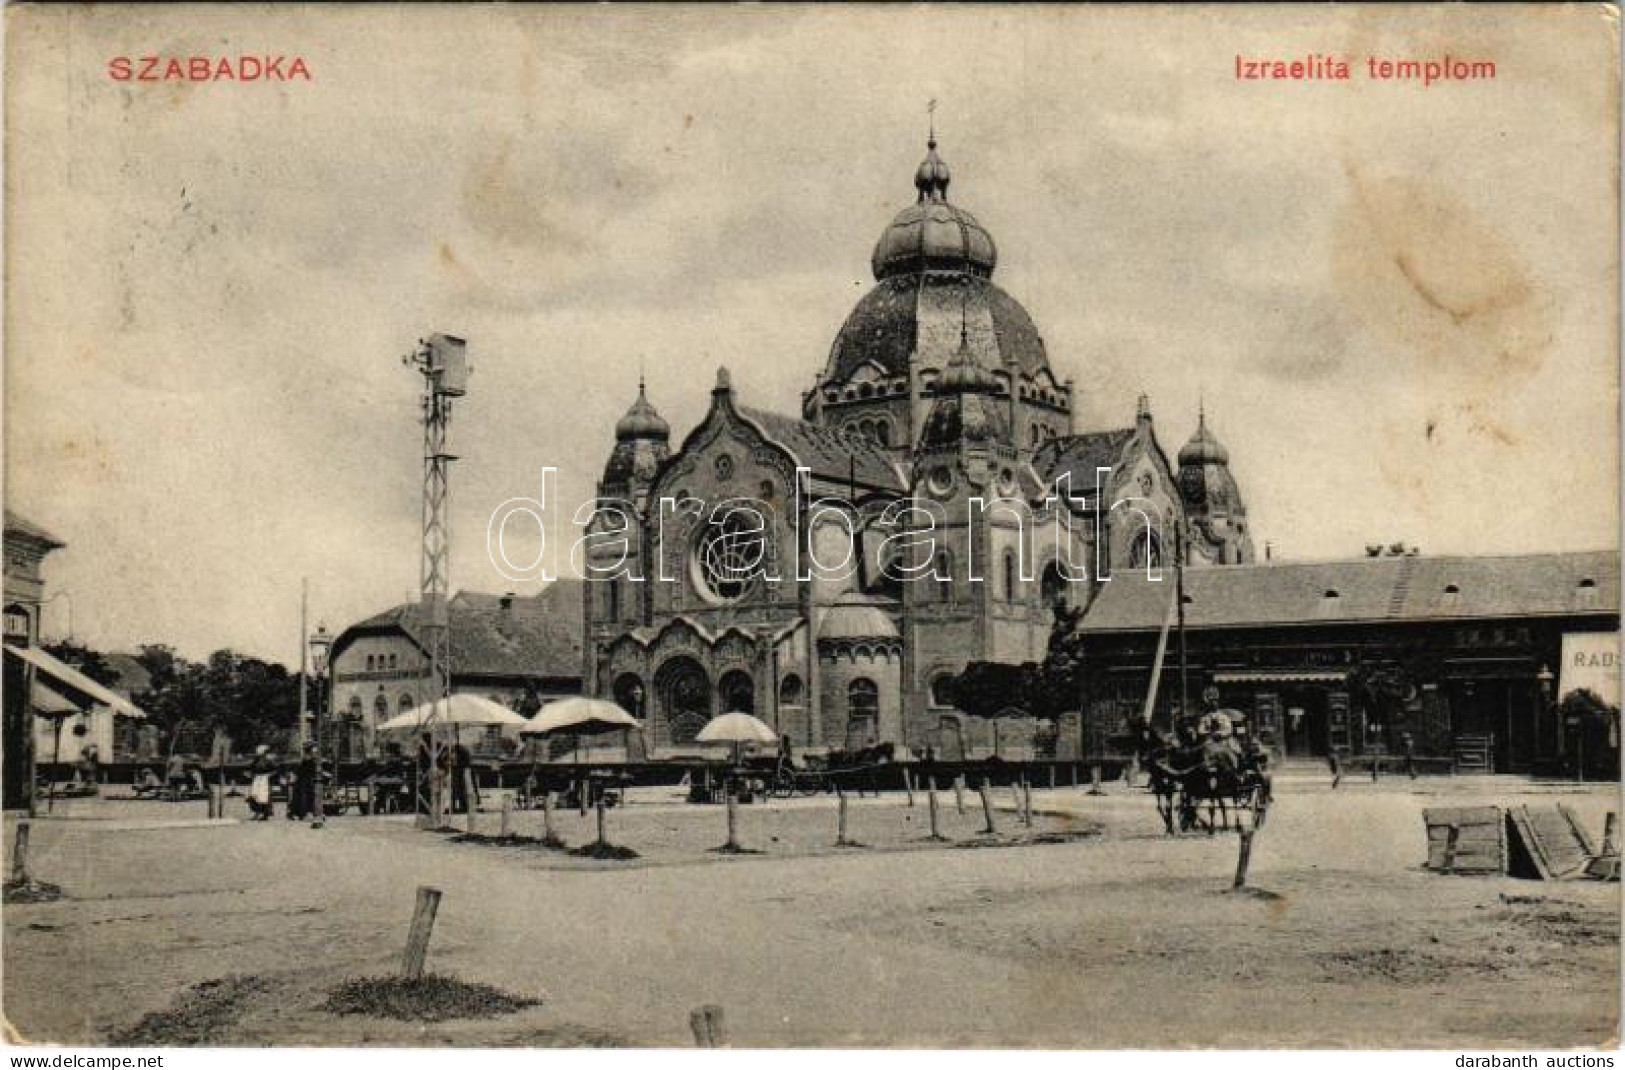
x,y
1114,936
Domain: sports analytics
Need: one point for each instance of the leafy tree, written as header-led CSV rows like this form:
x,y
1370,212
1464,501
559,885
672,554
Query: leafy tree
x,y
249,699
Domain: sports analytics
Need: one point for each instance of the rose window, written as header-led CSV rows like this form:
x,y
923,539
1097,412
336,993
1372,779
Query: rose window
x,y
730,553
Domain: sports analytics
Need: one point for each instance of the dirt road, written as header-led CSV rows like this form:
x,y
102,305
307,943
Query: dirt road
x,y
1124,938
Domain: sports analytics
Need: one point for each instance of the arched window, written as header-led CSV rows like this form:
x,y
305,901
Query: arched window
x,y
738,692
883,432
402,704
1011,593
1145,551
380,708
392,661
370,660
790,691
629,695
942,690
355,707
1053,585
862,713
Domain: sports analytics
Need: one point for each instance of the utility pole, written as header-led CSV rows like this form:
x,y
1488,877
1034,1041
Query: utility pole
x,y
304,683
442,360
1179,596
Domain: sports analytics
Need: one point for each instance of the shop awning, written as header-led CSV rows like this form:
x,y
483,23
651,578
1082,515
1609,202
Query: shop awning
x,y
50,703
1280,676
77,683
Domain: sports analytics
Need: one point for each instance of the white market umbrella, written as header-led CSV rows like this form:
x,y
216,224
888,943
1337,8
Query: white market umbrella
x,y
582,716
459,711
737,729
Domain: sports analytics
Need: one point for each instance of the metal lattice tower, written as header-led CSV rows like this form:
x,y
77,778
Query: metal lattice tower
x,y
442,361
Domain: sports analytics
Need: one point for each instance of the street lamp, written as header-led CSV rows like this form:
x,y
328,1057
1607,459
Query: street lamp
x,y
320,645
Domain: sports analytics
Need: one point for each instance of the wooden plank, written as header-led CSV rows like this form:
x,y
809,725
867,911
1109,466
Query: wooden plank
x,y
1580,833
1531,841
1565,851
1462,815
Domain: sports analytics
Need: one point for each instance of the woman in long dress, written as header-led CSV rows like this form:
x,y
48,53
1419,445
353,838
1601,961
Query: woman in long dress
x,y
259,789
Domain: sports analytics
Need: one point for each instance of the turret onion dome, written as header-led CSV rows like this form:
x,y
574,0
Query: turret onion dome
x,y
641,421
1203,448
931,234
856,616
1205,480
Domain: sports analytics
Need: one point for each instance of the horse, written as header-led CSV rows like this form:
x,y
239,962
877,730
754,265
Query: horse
x,y
1183,775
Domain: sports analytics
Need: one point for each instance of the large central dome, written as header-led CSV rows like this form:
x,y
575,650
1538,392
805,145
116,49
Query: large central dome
x,y
933,271
934,303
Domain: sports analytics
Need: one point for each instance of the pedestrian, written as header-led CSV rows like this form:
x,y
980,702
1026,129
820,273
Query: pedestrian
x,y
1336,767
461,762
302,797
87,775
175,776
259,788
1409,746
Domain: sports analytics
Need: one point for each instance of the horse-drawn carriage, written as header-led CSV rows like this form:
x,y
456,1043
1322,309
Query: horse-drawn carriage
x,y
1205,784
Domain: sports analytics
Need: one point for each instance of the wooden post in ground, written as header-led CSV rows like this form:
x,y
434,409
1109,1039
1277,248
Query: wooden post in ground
x,y
1610,834
469,802
733,818
19,855
507,815
372,795
582,787
1245,857
1052,777
417,938
908,784
603,839
1026,802
1015,796
547,815
931,801
959,793
1094,779
840,820
222,778
1074,768
987,809
706,1022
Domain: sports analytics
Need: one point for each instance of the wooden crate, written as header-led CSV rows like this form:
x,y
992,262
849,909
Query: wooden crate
x,y
1552,844
1466,839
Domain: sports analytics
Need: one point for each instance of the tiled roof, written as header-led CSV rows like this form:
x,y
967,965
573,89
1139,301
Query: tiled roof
x,y
1367,589
133,677
920,316
830,455
1081,455
537,636
17,525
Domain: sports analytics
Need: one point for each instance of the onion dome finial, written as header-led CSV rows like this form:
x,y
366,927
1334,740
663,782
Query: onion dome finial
x,y
641,420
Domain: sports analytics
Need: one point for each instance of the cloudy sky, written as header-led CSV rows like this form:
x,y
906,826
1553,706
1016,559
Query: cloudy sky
x,y
1397,302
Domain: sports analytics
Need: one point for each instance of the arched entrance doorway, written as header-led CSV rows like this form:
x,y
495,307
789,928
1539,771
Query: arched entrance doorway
x,y
683,691
738,692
